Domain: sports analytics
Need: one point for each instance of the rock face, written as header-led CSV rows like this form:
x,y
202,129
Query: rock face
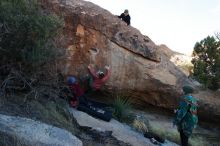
x,y
182,61
209,104
28,132
92,35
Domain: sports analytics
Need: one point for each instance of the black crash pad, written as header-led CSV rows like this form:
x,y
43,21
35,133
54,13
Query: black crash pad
x,y
95,109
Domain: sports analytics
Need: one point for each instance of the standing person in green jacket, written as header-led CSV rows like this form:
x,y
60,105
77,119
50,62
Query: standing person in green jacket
x,y
186,115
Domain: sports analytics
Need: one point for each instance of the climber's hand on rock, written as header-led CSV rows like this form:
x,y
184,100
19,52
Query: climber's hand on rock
x,y
89,66
107,67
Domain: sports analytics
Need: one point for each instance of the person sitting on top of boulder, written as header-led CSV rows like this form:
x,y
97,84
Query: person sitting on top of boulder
x,y
125,17
186,115
97,79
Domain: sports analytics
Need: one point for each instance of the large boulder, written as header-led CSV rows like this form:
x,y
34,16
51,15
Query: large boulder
x,y
92,35
182,61
209,103
27,132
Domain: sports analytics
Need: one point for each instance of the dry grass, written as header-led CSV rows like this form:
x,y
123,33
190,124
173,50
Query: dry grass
x,y
173,135
140,125
159,129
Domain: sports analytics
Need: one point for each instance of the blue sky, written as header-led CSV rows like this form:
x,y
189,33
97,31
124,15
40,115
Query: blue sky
x,y
177,23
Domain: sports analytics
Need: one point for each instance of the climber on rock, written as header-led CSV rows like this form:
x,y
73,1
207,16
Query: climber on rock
x,y
97,79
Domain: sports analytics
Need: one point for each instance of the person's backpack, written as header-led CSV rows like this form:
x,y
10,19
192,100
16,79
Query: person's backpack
x,y
193,107
189,107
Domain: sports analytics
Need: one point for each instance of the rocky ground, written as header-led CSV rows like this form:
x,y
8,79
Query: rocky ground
x,y
54,115
160,121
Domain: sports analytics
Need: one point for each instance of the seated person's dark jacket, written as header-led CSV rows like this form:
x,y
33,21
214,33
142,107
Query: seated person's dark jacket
x,y
125,18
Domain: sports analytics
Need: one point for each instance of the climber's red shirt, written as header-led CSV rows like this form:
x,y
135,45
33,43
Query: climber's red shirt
x,y
98,83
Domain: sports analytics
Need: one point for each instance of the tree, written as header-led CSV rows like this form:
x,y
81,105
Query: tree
x,y
206,61
28,50
26,32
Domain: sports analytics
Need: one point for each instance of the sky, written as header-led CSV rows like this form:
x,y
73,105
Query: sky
x,y
179,24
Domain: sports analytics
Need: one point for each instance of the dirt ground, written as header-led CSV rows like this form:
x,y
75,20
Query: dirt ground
x,y
160,122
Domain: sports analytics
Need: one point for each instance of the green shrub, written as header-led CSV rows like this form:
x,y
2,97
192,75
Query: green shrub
x,y
207,61
122,107
26,32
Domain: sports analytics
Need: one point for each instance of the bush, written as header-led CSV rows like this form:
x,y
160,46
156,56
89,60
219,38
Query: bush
x,y
27,48
206,62
26,32
140,125
122,108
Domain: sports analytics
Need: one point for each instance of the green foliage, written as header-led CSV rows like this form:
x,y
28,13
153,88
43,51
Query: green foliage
x,y
26,32
122,108
207,62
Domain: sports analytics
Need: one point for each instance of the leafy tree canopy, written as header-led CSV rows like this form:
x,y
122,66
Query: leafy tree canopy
x,y
206,62
26,32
